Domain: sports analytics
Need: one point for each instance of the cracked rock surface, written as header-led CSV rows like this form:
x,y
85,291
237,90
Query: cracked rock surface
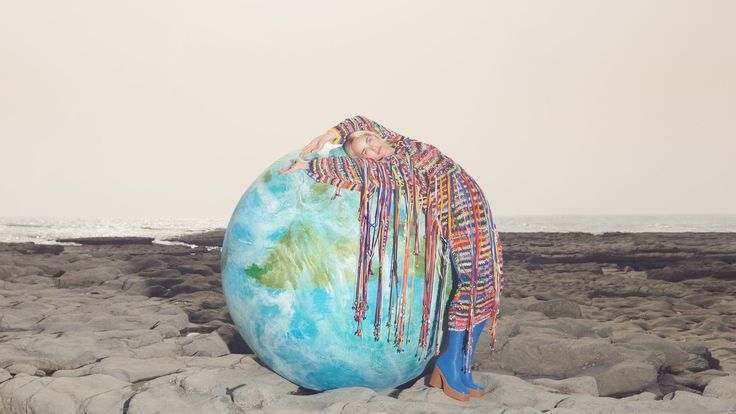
x,y
613,323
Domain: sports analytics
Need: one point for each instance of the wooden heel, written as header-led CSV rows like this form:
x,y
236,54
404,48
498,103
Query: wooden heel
x,y
476,393
438,380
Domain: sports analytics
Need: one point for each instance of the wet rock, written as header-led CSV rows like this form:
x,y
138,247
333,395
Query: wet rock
x,y
87,277
212,238
114,241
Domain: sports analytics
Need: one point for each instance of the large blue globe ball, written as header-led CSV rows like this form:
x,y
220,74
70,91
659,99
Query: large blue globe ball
x,y
289,261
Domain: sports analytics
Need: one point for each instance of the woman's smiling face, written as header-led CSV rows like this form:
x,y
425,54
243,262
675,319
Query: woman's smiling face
x,y
368,145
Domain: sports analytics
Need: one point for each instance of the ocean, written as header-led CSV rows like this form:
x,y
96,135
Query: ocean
x,y
47,229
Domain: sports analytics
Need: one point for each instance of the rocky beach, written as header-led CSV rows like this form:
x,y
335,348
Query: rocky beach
x,y
609,323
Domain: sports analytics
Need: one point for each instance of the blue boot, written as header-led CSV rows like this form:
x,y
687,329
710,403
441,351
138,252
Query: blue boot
x,y
448,368
474,389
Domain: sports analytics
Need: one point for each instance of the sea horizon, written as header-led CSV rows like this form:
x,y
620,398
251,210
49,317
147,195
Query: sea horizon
x,y
47,229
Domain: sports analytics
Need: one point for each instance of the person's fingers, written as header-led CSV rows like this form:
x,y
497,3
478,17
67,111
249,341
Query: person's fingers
x,y
296,164
307,150
287,169
312,147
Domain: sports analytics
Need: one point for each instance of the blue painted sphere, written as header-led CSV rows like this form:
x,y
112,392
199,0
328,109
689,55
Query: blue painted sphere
x,y
289,261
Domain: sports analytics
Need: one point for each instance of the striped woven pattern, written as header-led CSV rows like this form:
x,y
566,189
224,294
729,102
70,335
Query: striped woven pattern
x,y
459,224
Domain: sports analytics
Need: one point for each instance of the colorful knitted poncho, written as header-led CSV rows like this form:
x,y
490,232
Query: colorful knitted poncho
x,y
456,214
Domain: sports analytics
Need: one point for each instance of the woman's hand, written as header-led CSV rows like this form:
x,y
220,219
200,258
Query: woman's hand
x,y
316,144
296,165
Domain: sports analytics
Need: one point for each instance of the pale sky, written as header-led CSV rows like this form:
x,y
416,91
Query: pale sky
x,y
172,108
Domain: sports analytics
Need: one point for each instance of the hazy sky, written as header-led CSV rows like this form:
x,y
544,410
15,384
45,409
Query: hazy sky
x,y
172,108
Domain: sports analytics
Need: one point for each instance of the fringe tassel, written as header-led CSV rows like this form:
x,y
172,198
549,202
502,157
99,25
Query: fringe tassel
x,y
395,190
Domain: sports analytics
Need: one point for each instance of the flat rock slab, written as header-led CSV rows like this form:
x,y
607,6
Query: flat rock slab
x,y
115,241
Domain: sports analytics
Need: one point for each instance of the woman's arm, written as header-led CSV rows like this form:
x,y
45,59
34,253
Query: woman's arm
x,y
337,171
361,123
316,144
349,173
344,172
339,133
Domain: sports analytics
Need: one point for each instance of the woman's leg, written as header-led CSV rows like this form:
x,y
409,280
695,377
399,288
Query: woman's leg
x,y
472,259
449,362
467,376
459,307
459,319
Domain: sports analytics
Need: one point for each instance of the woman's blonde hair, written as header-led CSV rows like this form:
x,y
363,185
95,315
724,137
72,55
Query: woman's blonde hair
x,y
349,139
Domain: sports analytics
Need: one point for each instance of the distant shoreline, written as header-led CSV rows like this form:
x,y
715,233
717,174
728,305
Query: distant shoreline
x,y
46,230
213,238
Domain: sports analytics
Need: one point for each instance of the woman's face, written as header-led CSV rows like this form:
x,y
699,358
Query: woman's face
x,y
370,146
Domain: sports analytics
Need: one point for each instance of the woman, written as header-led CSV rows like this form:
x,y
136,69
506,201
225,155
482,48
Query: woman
x,y
385,162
